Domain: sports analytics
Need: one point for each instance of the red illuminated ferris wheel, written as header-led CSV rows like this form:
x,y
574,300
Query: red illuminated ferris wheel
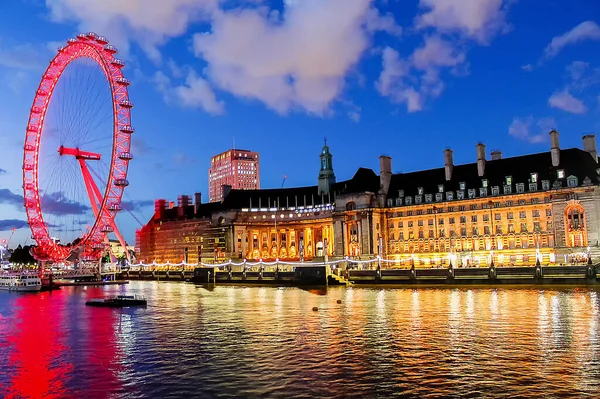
x,y
77,151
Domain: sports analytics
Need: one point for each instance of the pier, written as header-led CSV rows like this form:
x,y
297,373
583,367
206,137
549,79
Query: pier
x,y
347,273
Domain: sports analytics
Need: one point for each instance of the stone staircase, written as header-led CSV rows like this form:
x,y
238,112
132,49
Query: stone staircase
x,y
334,279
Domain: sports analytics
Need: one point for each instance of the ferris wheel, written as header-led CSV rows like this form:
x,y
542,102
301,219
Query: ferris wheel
x,y
77,151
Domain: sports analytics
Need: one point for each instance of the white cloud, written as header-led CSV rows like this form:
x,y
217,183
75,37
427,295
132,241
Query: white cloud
x,y
587,30
414,80
479,20
527,68
195,92
531,130
565,101
149,22
298,61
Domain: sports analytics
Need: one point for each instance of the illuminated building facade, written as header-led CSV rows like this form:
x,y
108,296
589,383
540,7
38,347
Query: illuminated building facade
x,y
511,211
233,169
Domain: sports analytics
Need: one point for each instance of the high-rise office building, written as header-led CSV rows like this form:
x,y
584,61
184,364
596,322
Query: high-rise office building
x,y
233,169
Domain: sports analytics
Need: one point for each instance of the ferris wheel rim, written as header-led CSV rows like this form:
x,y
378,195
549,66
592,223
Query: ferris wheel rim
x,y
99,50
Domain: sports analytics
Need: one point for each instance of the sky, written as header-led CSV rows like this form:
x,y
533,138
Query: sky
x,y
405,78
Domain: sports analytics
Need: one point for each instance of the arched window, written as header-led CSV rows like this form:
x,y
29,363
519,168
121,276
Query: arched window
x,y
351,206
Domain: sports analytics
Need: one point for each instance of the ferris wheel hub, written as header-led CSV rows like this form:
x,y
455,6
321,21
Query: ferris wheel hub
x,y
78,154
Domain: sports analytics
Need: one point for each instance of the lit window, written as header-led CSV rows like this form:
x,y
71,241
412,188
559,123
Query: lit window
x,y
462,185
560,174
484,183
508,180
440,188
420,190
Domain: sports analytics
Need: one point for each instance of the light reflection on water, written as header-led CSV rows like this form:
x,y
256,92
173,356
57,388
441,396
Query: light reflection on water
x,y
268,342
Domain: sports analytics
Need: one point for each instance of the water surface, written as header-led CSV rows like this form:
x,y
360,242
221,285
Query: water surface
x,y
268,342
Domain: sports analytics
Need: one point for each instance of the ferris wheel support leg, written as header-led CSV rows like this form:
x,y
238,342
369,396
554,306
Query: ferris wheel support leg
x,y
94,194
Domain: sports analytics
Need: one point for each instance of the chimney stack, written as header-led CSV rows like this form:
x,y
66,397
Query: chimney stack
x,y
197,201
385,173
159,208
496,155
182,202
589,145
480,159
554,148
448,163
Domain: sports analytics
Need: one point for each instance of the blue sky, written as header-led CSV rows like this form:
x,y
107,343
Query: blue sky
x,y
407,78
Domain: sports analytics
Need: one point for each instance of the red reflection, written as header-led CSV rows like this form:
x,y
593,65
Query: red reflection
x,y
104,354
36,344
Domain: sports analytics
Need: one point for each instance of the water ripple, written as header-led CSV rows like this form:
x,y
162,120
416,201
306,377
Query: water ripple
x,y
256,342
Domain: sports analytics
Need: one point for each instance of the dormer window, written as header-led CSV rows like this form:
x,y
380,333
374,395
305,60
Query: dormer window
x,y
439,196
408,200
418,199
509,180
460,195
534,178
483,191
572,181
462,185
507,189
398,201
390,202
400,193
520,188
428,198
560,174
420,190
484,183
472,193
495,190
440,188
449,196
545,184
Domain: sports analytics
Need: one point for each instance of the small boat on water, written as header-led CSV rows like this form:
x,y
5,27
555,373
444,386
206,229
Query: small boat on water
x,y
119,301
20,281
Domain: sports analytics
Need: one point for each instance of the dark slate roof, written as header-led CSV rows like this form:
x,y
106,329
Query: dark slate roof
x,y
573,161
363,180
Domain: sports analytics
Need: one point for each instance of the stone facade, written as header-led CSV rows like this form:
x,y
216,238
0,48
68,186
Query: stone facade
x,y
536,208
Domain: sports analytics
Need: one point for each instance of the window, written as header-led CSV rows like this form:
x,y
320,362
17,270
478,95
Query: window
x,y
420,190
484,183
486,230
462,185
508,180
473,207
545,184
428,198
532,186
523,214
390,202
523,227
483,192
460,195
472,193
430,222
463,219
507,189
462,208
400,193
548,212
520,188
572,181
449,196
534,178
451,220
536,213
419,211
408,200
410,224
560,174
463,231
418,199
486,218
438,196
440,188
475,231
509,215
420,223
495,190
398,201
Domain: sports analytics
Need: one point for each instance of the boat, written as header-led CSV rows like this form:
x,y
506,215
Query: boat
x,y
20,282
119,301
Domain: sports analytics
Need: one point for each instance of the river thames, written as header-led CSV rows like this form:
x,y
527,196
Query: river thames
x,y
268,342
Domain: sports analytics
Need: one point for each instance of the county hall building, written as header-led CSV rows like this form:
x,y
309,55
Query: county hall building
x,y
512,211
